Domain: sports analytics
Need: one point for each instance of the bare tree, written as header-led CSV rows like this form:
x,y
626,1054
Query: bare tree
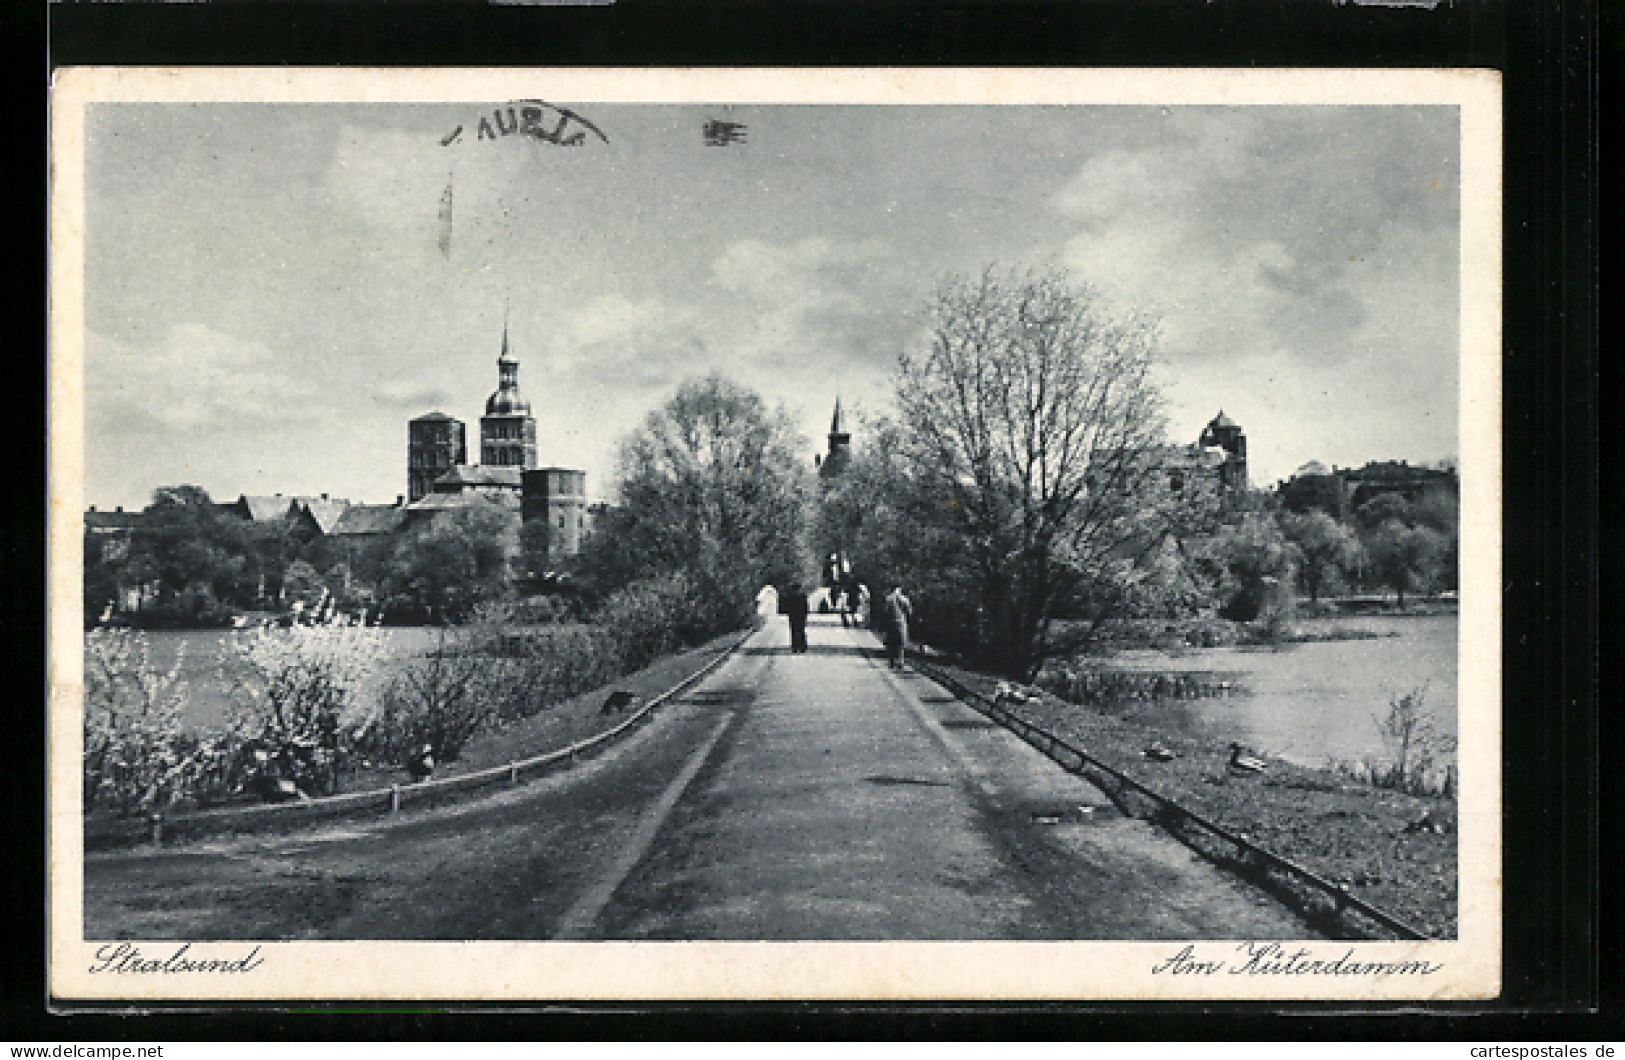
x,y
1033,413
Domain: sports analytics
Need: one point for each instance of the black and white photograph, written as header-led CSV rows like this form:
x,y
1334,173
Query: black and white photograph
x,y
762,534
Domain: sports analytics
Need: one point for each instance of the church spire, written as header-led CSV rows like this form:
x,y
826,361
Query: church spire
x,y
840,447
506,357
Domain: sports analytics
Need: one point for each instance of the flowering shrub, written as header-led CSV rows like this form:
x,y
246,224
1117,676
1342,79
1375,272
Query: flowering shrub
x,y
309,688
137,758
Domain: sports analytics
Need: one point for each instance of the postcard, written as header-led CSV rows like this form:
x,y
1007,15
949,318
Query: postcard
x,y
748,534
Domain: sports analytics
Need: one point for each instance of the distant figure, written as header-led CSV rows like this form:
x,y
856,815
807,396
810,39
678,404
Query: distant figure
x,y
849,598
898,613
793,602
421,763
767,601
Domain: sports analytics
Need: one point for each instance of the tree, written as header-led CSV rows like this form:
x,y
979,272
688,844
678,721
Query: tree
x,y
1255,566
305,691
1033,417
1327,550
713,488
1405,557
459,559
302,583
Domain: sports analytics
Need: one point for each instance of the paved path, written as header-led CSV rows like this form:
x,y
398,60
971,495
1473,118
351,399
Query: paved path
x,y
816,796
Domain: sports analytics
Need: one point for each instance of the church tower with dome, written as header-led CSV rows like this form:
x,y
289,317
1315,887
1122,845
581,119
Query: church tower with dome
x,y
507,430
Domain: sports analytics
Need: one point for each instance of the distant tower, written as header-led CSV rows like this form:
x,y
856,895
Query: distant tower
x,y
840,448
507,430
558,497
1223,433
435,444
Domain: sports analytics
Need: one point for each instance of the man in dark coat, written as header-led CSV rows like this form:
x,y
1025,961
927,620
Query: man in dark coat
x,y
899,611
794,604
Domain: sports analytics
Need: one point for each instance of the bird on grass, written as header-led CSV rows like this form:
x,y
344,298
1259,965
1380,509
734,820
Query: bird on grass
x,y
1009,693
1240,763
421,763
617,701
1426,823
1158,753
266,783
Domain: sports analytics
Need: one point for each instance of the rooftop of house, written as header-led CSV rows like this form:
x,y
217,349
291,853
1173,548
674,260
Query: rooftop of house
x,y
361,520
477,475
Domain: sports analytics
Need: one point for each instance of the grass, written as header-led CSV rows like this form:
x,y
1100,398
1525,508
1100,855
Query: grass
x,y
1361,836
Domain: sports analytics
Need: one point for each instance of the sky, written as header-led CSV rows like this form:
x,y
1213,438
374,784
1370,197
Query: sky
x,y
267,302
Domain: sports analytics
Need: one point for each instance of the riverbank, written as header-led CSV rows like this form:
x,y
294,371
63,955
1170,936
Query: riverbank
x,y
1329,620
554,727
561,724
1368,839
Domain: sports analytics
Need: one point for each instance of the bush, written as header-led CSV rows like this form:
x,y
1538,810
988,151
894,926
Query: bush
x,y
137,757
1415,751
537,670
194,607
650,618
308,688
441,699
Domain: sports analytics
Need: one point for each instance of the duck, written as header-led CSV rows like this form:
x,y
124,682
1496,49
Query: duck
x,y
1158,753
1240,763
1009,693
421,764
1426,823
265,784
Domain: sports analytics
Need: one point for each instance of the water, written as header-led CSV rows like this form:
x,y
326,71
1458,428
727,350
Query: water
x,y
213,672
1310,703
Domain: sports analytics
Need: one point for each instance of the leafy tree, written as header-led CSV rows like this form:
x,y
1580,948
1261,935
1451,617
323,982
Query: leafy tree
x,y
1328,551
1405,557
1033,421
101,579
1383,508
459,559
1254,566
303,584
712,487
188,546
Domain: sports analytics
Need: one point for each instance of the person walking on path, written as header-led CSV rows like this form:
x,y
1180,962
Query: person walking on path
x,y
794,604
898,613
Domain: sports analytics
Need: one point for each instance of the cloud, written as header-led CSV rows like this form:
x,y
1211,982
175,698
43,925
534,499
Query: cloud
x,y
195,378
410,394
1274,232
816,301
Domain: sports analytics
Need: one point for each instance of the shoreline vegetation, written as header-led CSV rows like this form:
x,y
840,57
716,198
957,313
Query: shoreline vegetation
x,y
1361,825
296,712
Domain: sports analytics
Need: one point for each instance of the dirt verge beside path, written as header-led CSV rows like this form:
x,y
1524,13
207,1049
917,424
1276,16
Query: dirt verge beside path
x,y
1362,837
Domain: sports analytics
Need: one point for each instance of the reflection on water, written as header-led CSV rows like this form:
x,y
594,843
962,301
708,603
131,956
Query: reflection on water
x,y
1312,702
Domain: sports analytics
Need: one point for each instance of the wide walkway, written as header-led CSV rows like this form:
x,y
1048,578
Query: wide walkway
x,y
816,796
848,801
